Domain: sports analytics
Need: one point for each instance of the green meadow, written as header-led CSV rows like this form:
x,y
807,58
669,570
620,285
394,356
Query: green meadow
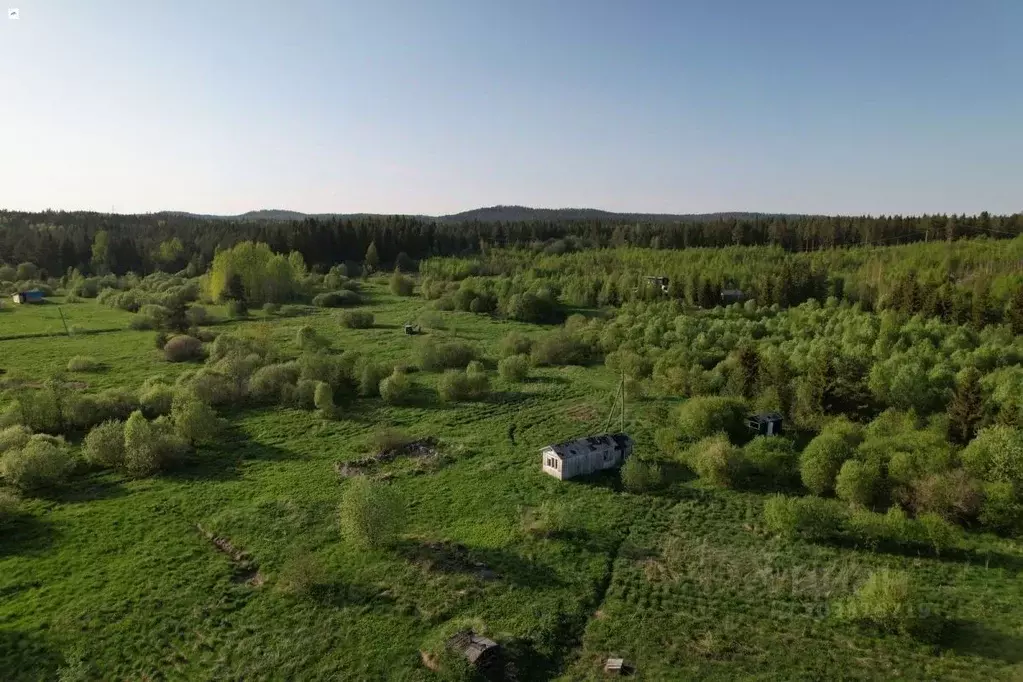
x,y
109,577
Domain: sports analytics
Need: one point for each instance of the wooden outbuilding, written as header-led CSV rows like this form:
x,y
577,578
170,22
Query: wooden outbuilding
x,y
658,282
30,296
765,423
586,455
480,651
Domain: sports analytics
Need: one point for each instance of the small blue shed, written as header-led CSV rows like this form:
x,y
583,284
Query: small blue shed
x,y
30,296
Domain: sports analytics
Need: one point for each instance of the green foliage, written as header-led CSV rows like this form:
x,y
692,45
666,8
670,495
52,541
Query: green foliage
x,y
716,461
702,417
104,444
370,375
149,446
308,339
401,285
357,319
261,274
641,477
560,348
873,529
1001,509
371,514
237,309
966,409
772,457
937,532
396,389
84,363
811,518
434,355
155,398
886,601
515,343
337,299
821,460
953,495
514,368
457,386
857,482
183,348
14,437
195,421
275,382
323,399
40,464
301,575
996,455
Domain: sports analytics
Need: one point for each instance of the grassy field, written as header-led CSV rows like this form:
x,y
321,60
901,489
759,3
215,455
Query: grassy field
x,y
111,579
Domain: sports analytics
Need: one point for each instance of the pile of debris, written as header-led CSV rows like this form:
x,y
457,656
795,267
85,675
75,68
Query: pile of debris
x,y
246,569
416,449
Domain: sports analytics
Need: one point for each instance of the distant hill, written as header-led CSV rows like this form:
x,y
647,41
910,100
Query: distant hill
x,y
495,214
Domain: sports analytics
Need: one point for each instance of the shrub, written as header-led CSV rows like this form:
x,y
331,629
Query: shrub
x,y
8,506
273,383
812,518
140,322
953,495
237,309
84,363
772,457
14,437
308,339
370,375
396,389
886,601
210,387
640,477
357,319
821,461
937,532
40,464
702,417
115,403
401,285
434,355
432,319
371,514
302,574
996,455
196,315
104,444
856,482
149,446
715,460
560,348
271,308
454,386
183,348
336,299
386,440
82,411
515,343
547,520
324,400
514,368
155,398
194,421
305,394
160,339
1001,510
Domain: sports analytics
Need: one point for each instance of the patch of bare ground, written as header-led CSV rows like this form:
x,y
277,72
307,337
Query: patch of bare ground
x,y
246,570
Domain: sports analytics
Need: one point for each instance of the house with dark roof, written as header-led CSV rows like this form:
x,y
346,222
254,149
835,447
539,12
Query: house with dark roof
x,y
585,455
30,296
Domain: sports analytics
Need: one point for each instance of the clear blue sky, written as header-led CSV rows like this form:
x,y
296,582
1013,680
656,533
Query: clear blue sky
x,y
432,106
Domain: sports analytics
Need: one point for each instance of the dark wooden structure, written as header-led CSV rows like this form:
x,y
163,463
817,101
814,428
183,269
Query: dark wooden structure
x,y
481,652
412,330
765,423
658,282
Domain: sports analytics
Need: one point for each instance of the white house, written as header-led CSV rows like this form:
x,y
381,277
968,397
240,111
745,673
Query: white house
x,y
586,455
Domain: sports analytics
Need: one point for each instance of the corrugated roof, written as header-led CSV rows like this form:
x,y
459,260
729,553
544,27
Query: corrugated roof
x,y
584,446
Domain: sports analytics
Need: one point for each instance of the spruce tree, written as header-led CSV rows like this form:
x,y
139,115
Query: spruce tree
x,y
966,409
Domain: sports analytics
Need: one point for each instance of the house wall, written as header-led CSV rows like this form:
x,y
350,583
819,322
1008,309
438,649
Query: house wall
x,y
546,456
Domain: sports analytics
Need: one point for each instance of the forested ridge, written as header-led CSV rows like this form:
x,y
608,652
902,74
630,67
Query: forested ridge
x,y
59,241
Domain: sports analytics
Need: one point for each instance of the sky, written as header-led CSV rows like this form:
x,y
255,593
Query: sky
x,y
438,106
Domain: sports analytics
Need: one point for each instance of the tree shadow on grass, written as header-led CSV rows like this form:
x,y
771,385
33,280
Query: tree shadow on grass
x,y
608,478
587,540
507,397
97,486
484,563
955,555
972,638
537,379
26,534
224,460
27,656
339,594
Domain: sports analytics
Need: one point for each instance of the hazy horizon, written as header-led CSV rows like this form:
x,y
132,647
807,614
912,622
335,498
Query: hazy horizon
x,y
878,108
